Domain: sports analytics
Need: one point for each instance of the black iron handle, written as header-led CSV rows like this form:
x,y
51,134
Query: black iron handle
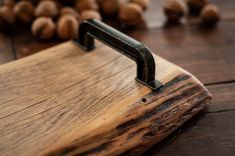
x,y
133,49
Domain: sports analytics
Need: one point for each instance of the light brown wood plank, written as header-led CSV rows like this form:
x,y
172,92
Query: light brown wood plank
x,y
62,99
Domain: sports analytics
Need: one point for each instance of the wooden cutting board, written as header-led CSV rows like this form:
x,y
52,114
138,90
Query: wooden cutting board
x,y
65,101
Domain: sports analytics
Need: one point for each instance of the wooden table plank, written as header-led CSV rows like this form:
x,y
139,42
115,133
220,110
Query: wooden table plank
x,y
6,51
209,133
223,97
207,53
226,8
210,136
25,44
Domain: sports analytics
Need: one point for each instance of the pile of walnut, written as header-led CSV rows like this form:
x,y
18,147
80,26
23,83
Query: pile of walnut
x,y
175,10
62,17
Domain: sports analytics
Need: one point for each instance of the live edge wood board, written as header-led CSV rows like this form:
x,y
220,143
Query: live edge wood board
x,y
64,101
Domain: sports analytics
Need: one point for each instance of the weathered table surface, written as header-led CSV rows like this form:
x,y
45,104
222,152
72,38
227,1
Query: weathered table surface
x,y
207,53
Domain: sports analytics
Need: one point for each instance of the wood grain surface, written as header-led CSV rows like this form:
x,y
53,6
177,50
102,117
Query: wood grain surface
x,y
186,45
69,102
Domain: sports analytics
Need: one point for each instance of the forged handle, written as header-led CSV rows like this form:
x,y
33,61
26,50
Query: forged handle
x,y
131,48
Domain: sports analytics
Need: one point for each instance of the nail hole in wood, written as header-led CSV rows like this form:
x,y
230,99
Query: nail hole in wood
x,y
144,100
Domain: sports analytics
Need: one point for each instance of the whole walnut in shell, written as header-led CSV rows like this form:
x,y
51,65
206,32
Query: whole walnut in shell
x,y
109,7
6,14
210,14
82,5
46,8
67,27
143,3
70,11
131,14
7,18
9,3
174,10
90,14
43,28
23,11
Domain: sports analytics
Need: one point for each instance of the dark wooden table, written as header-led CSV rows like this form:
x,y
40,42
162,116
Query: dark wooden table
x,y
207,53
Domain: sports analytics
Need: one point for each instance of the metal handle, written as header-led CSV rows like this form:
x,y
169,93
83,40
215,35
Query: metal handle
x,y
131,48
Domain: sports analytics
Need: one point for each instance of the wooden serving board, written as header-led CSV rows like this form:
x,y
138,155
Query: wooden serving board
x,y
64,101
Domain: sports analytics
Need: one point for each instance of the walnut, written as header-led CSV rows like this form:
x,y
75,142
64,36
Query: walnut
x,y
70,11
9,3
82,5
131,14
210,14
43,28
23,11
47,9
90,14
67,27
143,3
7,18
174,10
109,7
